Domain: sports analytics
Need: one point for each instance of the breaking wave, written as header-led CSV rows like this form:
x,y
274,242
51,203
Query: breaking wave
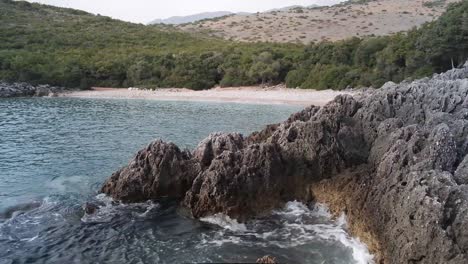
x,y
294,226
107,209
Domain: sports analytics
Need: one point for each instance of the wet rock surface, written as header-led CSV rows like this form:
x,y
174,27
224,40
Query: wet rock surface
x,y
267,260
27,90
393,159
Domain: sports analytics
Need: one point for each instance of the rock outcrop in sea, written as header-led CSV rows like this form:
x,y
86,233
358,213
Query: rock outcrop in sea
x,y
393,159
26,90
266,260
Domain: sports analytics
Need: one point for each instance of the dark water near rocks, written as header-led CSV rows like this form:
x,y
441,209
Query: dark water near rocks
x,y
55,153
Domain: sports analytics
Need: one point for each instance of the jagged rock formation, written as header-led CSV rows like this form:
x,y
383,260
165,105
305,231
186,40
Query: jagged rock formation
x,y
25,90
160,170
266,260
393,159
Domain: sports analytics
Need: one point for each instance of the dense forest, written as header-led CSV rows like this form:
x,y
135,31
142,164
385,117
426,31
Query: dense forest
x,y
71,48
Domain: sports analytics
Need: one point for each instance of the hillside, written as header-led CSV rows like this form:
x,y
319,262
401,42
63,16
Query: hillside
x,y
179,20
42,44
288,8
314,24
176,20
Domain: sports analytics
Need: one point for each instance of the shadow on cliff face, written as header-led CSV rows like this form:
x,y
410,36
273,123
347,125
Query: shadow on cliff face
x,y
393,159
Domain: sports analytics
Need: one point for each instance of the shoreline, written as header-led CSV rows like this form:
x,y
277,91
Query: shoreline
x,y
277,95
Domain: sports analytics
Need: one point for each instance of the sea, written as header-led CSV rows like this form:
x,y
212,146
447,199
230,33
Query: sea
x,y
55,153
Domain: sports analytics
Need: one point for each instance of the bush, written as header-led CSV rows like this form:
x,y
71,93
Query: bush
x,y
327,77
296,78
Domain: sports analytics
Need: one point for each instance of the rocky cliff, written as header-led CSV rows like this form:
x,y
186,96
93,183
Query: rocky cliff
x,y
393,159
24,90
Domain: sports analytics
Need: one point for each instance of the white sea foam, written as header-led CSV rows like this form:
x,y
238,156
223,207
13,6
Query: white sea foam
x,y
108,209
150,207
104,213
322,210
293,209
30,239
296,225
336,232
24,224
225,222
61,184
220,239
333,230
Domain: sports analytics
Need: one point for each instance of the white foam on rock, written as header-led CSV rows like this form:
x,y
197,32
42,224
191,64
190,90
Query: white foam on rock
x,y
108,209
337,232
225,222
299,226
333,230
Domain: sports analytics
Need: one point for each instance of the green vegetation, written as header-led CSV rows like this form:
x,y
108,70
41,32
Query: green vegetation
x,y
435,47
44,44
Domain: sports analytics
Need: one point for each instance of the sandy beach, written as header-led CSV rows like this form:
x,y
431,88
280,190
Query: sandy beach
x,y
249,95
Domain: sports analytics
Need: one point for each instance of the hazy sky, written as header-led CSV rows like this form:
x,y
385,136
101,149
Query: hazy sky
x,y
144,11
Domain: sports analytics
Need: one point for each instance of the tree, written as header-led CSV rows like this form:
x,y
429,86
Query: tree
x,y
366,52
296,78
138,72
464,30
265,69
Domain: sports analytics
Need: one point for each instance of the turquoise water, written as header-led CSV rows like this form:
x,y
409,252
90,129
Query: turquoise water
x,y
55,153
57,145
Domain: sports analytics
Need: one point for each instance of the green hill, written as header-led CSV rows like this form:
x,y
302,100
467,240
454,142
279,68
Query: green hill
x,y
58,46
45,44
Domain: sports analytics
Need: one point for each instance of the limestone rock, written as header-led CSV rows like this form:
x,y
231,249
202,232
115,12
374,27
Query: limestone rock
x,y
27,90
267,260
394,159
90,208
461,174
216,144
158,171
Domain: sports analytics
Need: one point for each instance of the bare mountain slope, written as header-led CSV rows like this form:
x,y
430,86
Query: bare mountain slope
x,y
362,18
177,20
